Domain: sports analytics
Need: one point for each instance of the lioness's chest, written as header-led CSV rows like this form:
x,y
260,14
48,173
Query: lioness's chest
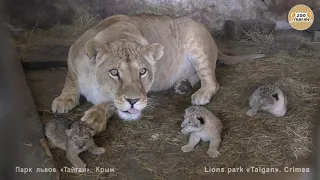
x,y
91,91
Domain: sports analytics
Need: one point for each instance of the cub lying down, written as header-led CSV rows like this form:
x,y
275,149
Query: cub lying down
x,y
203,125
268,98
75,140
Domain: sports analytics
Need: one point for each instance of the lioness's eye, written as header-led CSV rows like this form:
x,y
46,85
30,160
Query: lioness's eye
x,y
143,71
114,72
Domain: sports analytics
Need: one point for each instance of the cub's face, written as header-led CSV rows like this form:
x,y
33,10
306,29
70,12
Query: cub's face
x,y
126,73
80,135
192,122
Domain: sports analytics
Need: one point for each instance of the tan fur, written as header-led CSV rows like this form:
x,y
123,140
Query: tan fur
x,y
268,98
170,49
202,125
74,141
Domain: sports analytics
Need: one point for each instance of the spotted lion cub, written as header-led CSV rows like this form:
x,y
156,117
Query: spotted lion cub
x,y
203,125
268,98
73,140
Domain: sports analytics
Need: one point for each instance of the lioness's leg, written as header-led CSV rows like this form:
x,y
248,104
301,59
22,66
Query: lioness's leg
x,y
97,116
202,53
204,64
69,98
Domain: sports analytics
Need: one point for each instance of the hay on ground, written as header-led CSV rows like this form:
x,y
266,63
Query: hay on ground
x,y
151,146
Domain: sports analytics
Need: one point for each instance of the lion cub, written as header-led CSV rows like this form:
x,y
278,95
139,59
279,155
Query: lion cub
x,y
268,98
73,140
203,125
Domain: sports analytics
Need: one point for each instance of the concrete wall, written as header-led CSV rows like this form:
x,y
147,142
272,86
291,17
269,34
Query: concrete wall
x,y
212,13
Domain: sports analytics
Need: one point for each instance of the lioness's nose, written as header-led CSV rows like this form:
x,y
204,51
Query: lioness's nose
x,y
132,101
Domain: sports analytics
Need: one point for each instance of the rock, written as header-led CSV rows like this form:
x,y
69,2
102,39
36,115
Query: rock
x,y
236,29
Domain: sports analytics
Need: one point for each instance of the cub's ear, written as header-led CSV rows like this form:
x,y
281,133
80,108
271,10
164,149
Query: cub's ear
x,y
275,96
93,48
201,120
153,52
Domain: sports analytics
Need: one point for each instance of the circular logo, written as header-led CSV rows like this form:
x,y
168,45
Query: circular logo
x,y
300,17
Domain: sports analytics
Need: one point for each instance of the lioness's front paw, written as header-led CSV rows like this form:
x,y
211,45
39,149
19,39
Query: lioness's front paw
x,y
213,153
201,97
63,105
187,148
96,118
98,150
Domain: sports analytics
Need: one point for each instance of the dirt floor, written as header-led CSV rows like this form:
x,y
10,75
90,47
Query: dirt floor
x,y
150,148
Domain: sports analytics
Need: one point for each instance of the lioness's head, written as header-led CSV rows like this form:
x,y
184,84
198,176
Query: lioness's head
x,y
125,71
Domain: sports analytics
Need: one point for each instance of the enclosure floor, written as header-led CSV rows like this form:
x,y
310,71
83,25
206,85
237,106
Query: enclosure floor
x,y
150,148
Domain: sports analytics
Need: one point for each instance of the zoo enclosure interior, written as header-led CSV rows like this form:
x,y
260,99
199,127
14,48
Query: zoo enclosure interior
x,y
46,42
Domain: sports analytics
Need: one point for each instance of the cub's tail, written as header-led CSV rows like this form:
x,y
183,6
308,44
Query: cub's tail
x,y
230,60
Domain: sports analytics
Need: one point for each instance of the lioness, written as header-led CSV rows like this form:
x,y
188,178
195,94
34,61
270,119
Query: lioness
x,y
124,57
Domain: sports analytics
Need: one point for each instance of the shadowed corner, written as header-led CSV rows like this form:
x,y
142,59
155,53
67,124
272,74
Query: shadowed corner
x,y
20,128
316,151
6,125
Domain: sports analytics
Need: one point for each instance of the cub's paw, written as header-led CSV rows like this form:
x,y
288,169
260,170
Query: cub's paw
x,y
182,86
98,150
251,113
187,148
201,97
213,153
96,118
79,165
63,105
183,131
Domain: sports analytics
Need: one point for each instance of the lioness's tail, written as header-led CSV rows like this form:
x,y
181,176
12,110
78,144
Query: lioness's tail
x,y
230,60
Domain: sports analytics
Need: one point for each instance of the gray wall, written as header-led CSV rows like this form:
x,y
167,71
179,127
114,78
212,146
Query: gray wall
x,y
212,13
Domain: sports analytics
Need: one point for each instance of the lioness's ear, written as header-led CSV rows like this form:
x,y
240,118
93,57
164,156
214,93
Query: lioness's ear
x,y
153,52
93,48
